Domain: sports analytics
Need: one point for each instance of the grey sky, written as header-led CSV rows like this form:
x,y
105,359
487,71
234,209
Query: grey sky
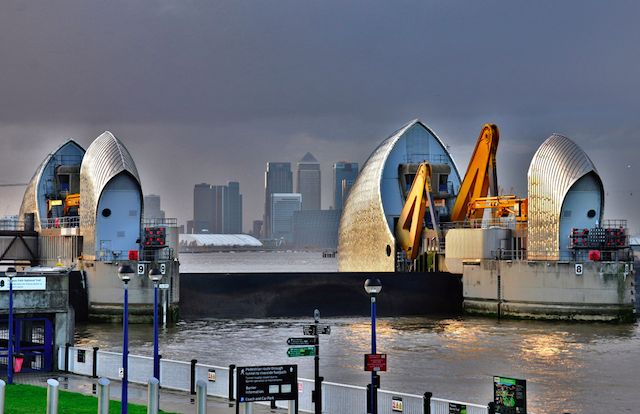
x,y
204,91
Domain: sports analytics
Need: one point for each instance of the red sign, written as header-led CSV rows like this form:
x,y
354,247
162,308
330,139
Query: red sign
x,y
375,362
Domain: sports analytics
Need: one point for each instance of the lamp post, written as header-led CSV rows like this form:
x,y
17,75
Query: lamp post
x,y
373,287
124,273
155,275
10,273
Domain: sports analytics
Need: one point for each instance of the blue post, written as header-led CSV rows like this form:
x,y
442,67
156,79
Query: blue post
x,y
10,341
374,391
156,358
125,349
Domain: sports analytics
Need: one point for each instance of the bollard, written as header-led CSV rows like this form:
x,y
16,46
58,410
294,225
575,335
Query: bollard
x,y
248,408
153,396
52,396
292,407
231,381
103,396
193,376
426,402
2,388
201,397
492,407
95,362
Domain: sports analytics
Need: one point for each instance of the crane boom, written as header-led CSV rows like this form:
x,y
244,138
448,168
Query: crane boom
x,y
411,221
481,174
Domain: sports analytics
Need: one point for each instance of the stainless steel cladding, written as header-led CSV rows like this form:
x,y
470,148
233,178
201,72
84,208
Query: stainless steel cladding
x,y
34,199
555,167
365,239
105,158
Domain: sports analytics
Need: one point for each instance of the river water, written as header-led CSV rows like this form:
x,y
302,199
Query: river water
x,y
569,367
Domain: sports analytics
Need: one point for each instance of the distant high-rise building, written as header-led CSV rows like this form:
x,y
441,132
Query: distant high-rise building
x,y
152,207
344,175
308,182
283,206
233,211
277,179
217,209
219,194
202,208
256,231
316,229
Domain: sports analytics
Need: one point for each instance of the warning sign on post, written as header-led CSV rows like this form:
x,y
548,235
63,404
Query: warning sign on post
x,y
267,383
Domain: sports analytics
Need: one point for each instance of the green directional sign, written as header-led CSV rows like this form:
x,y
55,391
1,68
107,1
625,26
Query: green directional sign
x,y
302,351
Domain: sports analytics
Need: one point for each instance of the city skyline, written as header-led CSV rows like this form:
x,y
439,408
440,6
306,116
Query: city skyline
x,y
210,92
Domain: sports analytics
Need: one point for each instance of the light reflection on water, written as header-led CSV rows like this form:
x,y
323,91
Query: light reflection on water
x,y
587,368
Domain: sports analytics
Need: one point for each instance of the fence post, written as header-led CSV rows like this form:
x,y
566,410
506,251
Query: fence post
x,y
95,361
201,397
492,407
153,396
232,369
66,356
52,396
159,370
193,376
426,402
2,388
103,396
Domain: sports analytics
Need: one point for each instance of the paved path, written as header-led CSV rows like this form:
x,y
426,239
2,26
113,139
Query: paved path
x,y
170,401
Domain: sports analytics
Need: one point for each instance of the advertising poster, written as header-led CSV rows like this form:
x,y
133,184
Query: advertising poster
x,y
510,395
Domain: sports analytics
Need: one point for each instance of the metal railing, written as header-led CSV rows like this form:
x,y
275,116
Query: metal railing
x,y
576,255
60,222
183,376
11,225
162,222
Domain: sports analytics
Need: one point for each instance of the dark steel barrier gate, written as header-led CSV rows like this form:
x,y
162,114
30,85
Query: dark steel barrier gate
x,y
35,346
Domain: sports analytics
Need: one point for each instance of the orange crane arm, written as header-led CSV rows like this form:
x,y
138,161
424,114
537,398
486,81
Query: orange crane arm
x,y
410,223
480,176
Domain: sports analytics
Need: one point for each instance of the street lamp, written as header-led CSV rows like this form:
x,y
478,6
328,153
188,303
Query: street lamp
x,y
155,275
10,273
124,273
373,287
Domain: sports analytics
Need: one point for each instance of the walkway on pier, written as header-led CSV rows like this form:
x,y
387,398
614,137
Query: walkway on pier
x,y
170,400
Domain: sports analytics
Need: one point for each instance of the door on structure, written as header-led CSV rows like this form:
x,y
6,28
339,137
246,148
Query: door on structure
x,y
32,344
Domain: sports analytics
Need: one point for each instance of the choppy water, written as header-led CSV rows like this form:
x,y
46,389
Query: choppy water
x,y
569,367
576,368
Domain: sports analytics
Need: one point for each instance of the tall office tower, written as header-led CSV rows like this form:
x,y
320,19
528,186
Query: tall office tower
x,y
308,182
344,175
233,211
202,208
277,179
218,212
152,207
283,206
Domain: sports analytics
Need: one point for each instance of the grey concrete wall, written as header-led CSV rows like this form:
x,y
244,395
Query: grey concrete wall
x,y
542,287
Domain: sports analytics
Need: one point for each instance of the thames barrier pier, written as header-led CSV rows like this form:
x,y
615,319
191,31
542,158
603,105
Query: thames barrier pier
x,y
551,255
87,210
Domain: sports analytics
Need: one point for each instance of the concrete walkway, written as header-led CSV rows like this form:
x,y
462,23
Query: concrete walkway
x,y
170,400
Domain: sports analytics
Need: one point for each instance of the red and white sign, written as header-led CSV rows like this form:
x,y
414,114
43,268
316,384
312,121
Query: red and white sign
x,y
375,362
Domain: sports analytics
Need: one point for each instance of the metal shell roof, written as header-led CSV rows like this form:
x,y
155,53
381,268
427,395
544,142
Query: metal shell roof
x,y
555,167
105,158
364,232
222,240
30,203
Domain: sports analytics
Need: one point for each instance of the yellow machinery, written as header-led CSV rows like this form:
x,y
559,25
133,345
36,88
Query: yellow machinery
x,y
502,206
410,224
480,176
71,205
471,200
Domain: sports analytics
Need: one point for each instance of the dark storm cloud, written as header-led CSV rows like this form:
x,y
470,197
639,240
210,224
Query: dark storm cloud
x,y
210,91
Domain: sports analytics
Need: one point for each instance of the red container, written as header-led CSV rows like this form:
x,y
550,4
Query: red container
x,y
133,255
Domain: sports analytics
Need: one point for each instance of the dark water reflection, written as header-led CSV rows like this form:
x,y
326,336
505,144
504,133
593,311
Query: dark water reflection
x,y
576,368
